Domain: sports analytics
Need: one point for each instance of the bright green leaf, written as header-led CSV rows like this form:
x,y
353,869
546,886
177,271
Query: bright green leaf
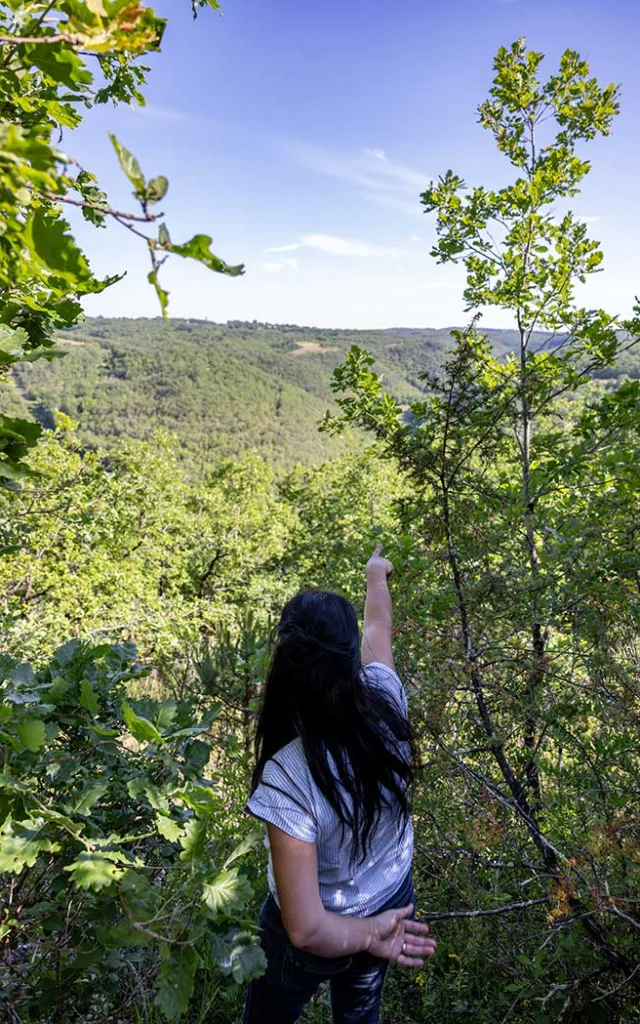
x,y
157,189
94,870
202,799
193,840
88,697
56,248
163,295
228,892
199,248
129,165
32,733
249,842
20,847
170,829
141,728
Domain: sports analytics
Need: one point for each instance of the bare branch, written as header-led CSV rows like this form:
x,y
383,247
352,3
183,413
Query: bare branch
x,y
508,908
60,37
612,991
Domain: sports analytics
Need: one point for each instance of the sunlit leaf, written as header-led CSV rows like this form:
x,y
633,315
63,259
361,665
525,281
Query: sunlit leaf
x,y
249,843
94,870
157,189
170,829
199,248
228,892
129,165
163,295
21,848
202,799
194,839
195,4
56,248
32,733
88,697
141,728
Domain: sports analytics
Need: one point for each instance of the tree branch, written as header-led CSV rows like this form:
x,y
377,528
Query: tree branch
x,y
147,218
508,908
60,37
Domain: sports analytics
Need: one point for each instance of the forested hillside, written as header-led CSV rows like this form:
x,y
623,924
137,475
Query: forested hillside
x,y
139,600
224,388
220,388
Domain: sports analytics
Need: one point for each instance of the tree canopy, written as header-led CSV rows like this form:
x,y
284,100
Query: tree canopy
x,y
138,596
57,61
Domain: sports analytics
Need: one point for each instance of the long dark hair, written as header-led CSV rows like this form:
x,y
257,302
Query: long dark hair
x,y
315,689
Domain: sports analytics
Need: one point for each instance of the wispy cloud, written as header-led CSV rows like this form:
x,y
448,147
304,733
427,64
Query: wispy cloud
x,y
275,266
410,207
588,220
335,245
290,247
169,115
378,178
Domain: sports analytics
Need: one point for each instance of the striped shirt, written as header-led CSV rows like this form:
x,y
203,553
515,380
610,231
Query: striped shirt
x,y
288,797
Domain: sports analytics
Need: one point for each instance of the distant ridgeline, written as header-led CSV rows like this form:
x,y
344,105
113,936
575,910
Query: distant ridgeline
x,y
222,388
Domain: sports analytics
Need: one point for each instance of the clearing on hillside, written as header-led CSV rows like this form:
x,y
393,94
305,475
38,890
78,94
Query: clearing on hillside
x,y
309,348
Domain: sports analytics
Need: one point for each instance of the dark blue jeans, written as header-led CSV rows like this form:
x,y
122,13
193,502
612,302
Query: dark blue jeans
x,y
293,976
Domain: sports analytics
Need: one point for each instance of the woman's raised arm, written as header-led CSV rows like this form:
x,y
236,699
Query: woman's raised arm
x,y
378,612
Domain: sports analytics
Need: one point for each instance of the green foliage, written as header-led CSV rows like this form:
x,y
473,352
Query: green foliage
x,y
148,193
108,856
143,554
223,389
518,566
504,484
52,55
197,572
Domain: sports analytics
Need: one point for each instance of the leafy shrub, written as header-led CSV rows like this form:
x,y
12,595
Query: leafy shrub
x,y
115,882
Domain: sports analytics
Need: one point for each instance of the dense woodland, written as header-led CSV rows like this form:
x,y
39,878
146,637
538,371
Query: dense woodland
x,y
222,389
166,489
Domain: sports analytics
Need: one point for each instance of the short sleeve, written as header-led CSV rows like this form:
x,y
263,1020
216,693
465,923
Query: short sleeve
x,y
386,679
283,799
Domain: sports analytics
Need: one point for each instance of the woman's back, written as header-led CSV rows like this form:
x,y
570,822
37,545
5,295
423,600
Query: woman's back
x,y
289,798
334,763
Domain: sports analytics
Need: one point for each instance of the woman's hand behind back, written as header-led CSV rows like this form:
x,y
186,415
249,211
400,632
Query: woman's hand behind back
x,y
394,936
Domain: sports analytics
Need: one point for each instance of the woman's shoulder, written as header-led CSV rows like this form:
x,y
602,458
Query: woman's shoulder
x,y
287,763
380,670
283,796
386,678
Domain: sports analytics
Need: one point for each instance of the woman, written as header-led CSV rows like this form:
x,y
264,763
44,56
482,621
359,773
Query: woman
x,y
334,760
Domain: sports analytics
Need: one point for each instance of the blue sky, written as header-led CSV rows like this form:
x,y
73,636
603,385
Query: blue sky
x,y
299,135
